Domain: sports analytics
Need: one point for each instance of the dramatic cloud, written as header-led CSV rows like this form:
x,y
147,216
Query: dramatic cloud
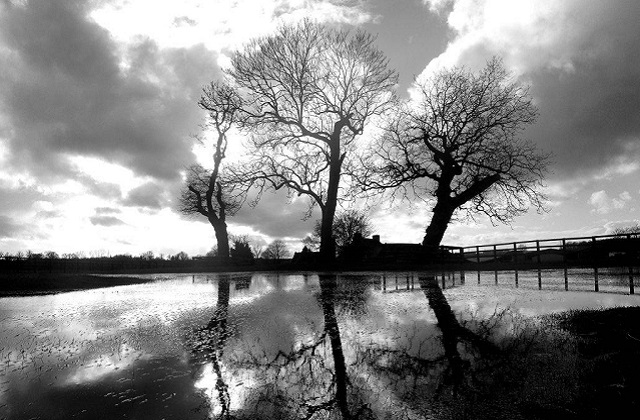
x,y
98,105
69,89
576,56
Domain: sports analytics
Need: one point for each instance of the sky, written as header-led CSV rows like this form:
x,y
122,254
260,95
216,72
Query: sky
x,y
98,112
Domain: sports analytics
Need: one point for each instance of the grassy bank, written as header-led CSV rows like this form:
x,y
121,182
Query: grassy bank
x,y
28,284
608,350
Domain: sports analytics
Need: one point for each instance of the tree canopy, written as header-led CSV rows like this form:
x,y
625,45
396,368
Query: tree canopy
x,y
308,92
457,146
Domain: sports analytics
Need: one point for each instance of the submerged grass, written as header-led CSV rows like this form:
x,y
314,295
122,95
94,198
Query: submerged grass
x,y
608,355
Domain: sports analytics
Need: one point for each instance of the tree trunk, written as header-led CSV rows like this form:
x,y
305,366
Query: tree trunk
x,y
327,241
442,213
222,237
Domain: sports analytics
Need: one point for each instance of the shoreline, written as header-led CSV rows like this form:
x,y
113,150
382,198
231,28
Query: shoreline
x,y
39,284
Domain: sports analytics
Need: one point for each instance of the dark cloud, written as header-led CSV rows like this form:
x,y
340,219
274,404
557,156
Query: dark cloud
x,y
580,59
590,113
18,200
105,221
106,190
184,21
69,89
8,228
48,214
106,210
276,216
149,195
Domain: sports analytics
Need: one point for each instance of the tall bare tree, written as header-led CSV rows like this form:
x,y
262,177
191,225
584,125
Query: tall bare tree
x,y
309,90
459,148
206,192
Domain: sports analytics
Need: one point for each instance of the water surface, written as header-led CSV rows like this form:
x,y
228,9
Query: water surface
x,y
370,345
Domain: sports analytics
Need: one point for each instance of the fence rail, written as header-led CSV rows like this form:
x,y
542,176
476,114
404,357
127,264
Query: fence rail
x,y
596,252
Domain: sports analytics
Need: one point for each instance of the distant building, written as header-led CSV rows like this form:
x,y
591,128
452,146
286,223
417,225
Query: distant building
x,y
305,258
372,251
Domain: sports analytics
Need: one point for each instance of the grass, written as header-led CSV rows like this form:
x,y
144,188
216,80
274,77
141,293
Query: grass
x,y
608,350
39,283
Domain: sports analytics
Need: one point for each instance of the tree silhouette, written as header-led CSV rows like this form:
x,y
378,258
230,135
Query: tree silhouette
x,y
276,250
206,192
309,91
458,147
346,225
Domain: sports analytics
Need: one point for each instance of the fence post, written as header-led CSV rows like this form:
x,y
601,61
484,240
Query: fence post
x,y
515,261
595,265
478,261
463,262
495,261
631,287
539,270
443,281
564,262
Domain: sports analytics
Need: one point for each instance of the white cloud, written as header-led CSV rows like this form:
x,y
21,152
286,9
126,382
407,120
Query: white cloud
x,y
604,204
105,172
437,6
220,25
528,34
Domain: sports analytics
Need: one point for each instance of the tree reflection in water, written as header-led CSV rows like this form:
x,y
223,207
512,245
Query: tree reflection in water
x,y
454,335
209,341
459,369
328,286
499,366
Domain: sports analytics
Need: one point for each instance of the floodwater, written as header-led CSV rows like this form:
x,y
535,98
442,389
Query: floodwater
x,y
371,345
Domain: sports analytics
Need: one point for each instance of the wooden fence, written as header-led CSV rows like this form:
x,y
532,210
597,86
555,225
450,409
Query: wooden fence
x,y
596,252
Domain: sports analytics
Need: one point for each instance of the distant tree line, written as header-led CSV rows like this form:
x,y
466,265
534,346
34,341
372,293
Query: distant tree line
x,y
242,252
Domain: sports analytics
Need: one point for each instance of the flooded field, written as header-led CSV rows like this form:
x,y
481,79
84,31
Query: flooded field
x,y
387,346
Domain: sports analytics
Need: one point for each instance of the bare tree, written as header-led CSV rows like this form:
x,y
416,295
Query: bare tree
x,y
206,192
458,148
632,229
276,250
309,90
